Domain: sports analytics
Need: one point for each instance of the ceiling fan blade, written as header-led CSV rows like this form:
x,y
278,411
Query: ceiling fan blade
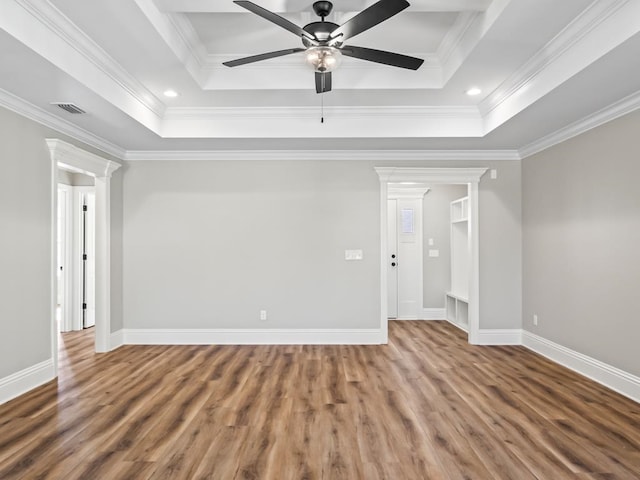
x,y
369,17
275,18
262,56
323,82
380,56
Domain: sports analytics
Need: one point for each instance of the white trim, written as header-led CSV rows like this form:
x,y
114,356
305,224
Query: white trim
x,y
75,159
500,336
607,375
433,314
43,28
43,117
592,17
224,336
341,155
607,114
62,27
116,339
27,379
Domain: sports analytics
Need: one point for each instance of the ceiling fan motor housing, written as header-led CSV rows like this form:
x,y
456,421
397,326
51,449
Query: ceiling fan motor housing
x,y
321,31
322,8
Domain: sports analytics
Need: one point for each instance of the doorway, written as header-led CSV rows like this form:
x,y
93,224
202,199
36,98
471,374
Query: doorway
x,y
65,156
75,252
430,176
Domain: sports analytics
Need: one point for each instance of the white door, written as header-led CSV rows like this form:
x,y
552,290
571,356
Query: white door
x,y
89,261
404,277
392,261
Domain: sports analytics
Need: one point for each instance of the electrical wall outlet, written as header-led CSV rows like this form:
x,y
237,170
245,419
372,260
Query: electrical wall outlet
x,y
263,314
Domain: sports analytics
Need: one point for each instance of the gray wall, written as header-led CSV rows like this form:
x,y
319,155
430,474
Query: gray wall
x,y
581,223
25,241
437,225
501,248
25,245
209,244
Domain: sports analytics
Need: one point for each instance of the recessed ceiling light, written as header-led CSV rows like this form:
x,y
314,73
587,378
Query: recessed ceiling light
x,y
473,91
170,93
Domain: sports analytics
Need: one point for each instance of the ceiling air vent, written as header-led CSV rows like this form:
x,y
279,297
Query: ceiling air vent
x,y
69,107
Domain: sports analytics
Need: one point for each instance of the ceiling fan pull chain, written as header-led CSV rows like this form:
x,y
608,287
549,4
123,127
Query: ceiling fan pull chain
x,y
322,107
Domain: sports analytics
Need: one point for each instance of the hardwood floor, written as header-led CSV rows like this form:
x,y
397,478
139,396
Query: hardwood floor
x,y
426,406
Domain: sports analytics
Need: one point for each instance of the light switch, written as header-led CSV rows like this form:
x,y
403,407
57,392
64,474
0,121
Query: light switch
x,y
353,255
430,241
494,173
434,253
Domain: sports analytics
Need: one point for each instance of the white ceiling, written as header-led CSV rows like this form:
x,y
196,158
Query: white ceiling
x,y
547,69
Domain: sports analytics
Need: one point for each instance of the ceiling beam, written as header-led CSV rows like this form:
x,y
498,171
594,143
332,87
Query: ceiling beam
x,y
281,6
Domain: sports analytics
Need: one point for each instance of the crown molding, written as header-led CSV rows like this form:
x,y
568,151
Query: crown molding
x,y
591,18
455,35
461,112
179,35
325,155
37,114
616,110
61,26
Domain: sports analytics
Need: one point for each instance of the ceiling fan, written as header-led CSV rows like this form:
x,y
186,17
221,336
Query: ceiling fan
x,y
324,41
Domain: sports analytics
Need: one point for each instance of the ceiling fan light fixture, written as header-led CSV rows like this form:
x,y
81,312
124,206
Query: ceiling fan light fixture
x,y
323,59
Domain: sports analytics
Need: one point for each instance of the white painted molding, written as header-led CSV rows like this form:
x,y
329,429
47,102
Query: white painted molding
x,y
70,157
251,336
430,175
433,314
607,114
601,27
46,30
340,155
21,382
275,112
607,375
38,115
116,340
593,15
500,336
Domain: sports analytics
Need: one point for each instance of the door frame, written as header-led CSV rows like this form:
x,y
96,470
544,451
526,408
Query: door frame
x,y
67,272
69,157
433,176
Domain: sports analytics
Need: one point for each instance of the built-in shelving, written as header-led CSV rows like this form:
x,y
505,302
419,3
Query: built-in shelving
x,y
457,299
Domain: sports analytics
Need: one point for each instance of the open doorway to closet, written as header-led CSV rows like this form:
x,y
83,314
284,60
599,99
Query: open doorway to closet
x,y
394,177
427,257
75,251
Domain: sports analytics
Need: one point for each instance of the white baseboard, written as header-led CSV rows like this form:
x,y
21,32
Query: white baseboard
x,y
252,336
25,380
433,314
500,337
612,377
116,340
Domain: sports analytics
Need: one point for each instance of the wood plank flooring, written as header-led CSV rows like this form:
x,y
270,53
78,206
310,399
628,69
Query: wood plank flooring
x,y
426,406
